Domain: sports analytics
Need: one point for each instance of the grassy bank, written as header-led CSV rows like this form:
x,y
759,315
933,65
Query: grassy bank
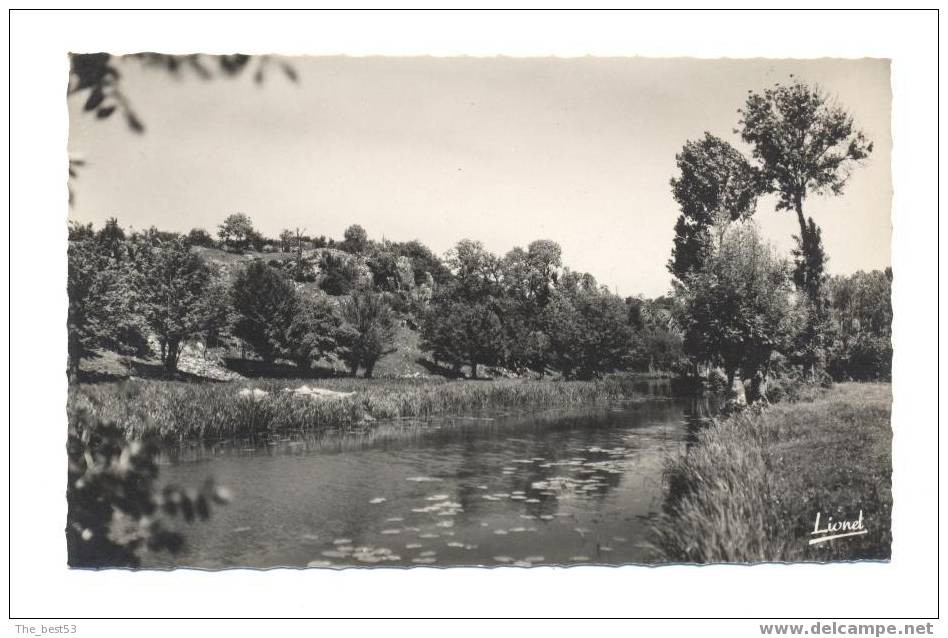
x,y
749,490
176,410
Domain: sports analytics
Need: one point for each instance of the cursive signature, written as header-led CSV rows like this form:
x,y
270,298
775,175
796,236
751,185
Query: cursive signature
x,y
839,529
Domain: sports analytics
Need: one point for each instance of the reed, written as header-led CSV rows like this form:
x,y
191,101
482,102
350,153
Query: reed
x,y
175,410
749,489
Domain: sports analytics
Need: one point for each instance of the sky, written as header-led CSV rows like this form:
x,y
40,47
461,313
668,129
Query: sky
x,y
501,150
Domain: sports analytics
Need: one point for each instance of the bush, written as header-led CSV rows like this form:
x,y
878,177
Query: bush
x,y
115,507
200,237
340,274
265,303
865,357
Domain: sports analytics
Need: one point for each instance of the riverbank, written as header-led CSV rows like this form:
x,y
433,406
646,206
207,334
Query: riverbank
x,y
750,488
175,411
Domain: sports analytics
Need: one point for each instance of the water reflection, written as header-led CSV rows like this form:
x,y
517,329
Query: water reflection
x,y
559,487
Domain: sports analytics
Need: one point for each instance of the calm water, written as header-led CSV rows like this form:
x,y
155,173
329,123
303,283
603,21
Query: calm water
x,y
561,487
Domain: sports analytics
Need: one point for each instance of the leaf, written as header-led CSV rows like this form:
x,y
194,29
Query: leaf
x,y
133,122
104,112
95,99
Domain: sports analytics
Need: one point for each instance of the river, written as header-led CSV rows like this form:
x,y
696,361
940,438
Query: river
x,y
556,487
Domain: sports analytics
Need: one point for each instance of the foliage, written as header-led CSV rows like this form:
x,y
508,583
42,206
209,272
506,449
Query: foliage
x,y
390,272
860,310
115,507
463,323
589,333
236,233
355,241
809,272
716,185
313,332
173,286
424,262
463,332
80,232
659,342
103,309
368,331
98,75
738,307
340,273
200,237
265,303
110,238
805,143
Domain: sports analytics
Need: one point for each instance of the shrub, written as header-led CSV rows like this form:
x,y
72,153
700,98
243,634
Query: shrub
x,y
115,507
265,303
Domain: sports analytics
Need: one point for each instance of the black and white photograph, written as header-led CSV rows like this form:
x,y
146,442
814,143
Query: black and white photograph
x,y
333,314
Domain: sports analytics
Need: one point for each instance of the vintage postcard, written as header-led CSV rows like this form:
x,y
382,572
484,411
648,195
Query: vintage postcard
x,y
331,312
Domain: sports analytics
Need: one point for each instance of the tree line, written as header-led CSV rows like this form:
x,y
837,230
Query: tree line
x,y
742,307
150,293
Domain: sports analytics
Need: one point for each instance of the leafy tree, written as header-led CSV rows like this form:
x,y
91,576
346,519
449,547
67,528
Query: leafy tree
x,y
805,143
477,272
111,237
355,240
738,307
264,302
531,274
103,310
860,309
313,332
215,314
589,332
715,186
200,237
236,233
174,286
659,341
463,332
115,507
286,240
368,332
463,324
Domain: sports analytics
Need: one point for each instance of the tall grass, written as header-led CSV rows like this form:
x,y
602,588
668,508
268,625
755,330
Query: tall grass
x,y
176,411
750,488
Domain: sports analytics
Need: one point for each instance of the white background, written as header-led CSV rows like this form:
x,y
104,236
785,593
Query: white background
x,y
42,587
